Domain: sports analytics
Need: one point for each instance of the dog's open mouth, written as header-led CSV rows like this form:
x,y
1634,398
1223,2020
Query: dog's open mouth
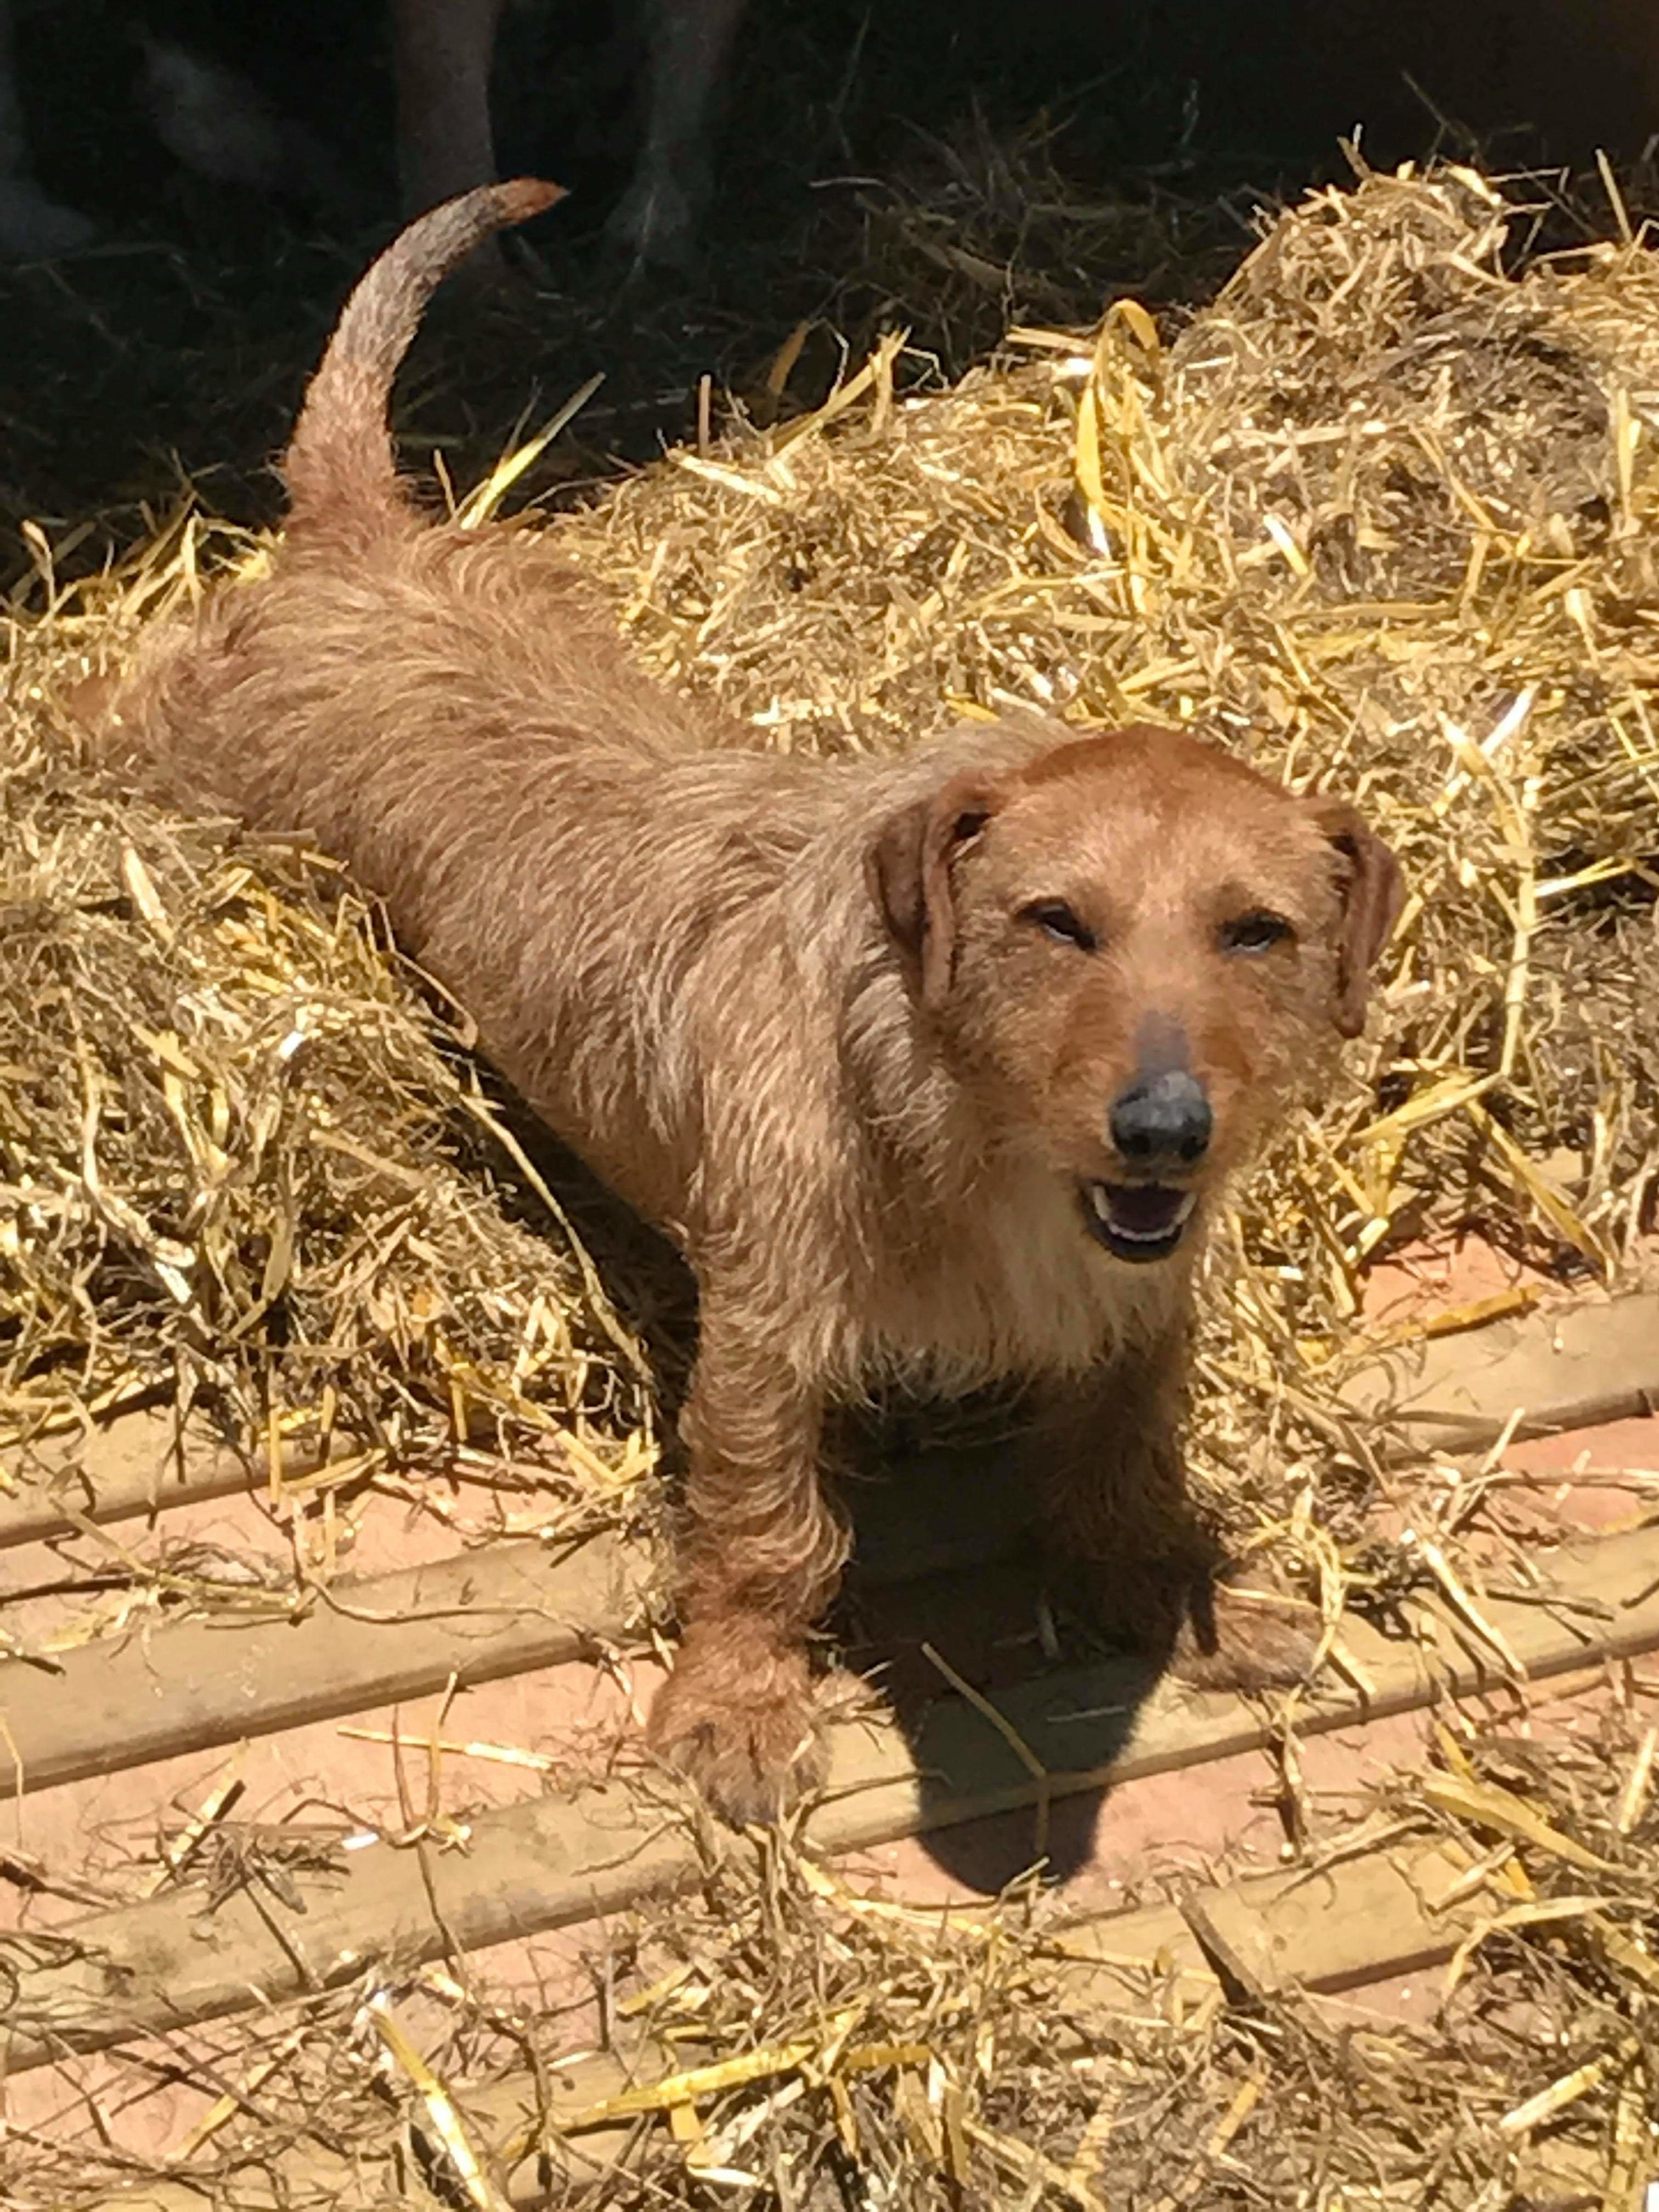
x,y
1138,1221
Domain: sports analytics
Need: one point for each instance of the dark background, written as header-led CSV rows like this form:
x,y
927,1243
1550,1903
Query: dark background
x,y
950,165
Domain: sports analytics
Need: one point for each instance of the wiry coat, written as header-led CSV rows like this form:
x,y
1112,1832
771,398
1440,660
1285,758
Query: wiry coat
x,y
716,973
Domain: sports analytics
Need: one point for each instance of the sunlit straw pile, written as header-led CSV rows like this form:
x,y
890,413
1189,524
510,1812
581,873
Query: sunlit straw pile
x,y
237,1171
916,2060
800,2044
1380,518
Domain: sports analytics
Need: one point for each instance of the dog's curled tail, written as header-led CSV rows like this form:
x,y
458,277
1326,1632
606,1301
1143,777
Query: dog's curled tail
x,y
340,467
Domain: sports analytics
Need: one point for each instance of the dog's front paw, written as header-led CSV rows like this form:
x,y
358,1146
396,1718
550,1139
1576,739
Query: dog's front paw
x,y
1244,1639
738,1718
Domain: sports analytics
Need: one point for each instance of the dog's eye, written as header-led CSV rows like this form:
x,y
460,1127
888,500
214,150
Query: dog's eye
x,y
1255,932
1056,919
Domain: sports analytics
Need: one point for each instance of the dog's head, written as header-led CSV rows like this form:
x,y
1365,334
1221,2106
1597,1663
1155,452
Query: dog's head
x,y
1134,949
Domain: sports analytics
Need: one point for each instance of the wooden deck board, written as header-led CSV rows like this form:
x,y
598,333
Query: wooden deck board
x,y
1566,1367
198,1684
166,1687
1355,1921
547,1864
1387,1912
1570,1365
137,1463
498,2117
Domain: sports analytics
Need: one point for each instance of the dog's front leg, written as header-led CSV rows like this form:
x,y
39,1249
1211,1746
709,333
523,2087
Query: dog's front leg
x,y
760,1553
1130,1547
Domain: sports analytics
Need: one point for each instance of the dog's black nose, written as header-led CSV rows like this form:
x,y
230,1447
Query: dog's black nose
x,y
1162,1118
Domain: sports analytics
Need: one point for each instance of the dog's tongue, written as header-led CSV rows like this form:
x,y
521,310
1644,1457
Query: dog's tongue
x,y
1145,1209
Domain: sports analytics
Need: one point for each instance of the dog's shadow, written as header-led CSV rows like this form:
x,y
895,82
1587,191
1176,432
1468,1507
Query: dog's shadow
x,y
947,1579
949,1586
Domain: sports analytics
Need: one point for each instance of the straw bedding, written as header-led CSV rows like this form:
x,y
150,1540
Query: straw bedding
x,y
243,1170
1381,515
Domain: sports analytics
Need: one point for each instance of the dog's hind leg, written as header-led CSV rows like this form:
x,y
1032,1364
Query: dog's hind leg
x,y
760,1553
1131,1551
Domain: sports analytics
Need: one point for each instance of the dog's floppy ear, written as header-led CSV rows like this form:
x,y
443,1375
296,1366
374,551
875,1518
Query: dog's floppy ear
x,y
909,871
1372,896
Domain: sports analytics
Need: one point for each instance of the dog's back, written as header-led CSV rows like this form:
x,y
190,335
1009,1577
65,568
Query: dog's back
x,y
595,867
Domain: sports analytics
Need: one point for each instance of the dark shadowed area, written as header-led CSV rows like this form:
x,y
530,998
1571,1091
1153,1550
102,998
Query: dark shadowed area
x,y
945,167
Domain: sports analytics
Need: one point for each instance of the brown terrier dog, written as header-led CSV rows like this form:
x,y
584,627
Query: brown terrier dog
x,y
933,1068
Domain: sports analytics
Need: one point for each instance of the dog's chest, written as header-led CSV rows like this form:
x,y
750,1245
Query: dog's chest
x,y
1015,1286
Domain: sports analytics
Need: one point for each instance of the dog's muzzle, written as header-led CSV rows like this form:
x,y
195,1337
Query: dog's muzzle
x,y
1161,1124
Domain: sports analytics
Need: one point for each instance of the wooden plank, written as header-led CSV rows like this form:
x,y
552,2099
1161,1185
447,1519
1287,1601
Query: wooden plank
x,y
168,1962
182,1686
547,1864
1571,1365
135,1464
200,1683
1125,1961
910,1511
98,1715
1326,1928
1112,1722
1388,1912
1567,1367
138,1464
